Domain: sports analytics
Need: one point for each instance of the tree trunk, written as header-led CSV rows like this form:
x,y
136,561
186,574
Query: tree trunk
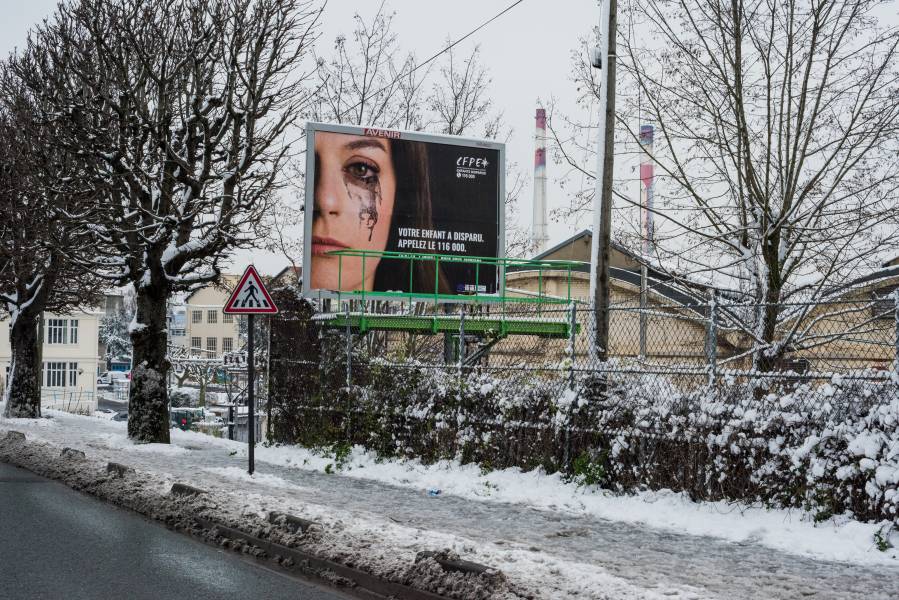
x,y
148,405
766,359
23,386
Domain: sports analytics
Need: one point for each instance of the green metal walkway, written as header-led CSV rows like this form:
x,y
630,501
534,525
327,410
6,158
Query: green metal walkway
x,y
487,325
496,325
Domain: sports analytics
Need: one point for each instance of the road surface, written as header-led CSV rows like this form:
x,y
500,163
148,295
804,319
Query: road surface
x,y
58,543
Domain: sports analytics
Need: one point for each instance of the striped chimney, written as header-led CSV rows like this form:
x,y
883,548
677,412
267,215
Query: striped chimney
x,y
539,233
647,185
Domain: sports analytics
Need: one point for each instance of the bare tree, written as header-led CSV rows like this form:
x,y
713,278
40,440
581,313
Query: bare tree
x,y
366,82
367,79
181,108
460,104
776,129
460,100
44,210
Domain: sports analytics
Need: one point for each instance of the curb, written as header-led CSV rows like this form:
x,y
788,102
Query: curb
x,y
455,566
292,523
72,453
118,470
182,489
14,436
359,582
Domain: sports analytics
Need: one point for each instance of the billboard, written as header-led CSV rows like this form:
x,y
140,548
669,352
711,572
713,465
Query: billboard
x,y
393,196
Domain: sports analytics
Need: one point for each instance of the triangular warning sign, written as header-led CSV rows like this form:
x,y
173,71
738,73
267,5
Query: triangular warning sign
x,y
250,296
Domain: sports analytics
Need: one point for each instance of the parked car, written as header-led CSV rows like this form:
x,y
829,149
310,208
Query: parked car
x,y
107,377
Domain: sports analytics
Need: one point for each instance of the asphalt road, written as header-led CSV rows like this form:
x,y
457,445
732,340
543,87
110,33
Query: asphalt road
x,y
58,543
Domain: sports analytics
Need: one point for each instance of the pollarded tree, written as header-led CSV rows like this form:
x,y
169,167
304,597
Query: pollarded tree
x,y
182,109
45,206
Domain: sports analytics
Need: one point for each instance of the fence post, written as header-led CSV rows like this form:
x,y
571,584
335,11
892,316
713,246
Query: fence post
x,y
461,341
643,301
711,346
349,348
896,340
572,329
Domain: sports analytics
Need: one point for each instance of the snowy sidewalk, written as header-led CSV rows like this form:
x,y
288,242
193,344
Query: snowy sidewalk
x,y
543,534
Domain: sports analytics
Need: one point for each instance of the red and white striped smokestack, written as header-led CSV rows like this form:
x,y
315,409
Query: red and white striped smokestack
x,y
539,233
647,190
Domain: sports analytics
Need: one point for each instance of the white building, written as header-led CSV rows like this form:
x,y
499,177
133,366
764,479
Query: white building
x,y
177,320
70,360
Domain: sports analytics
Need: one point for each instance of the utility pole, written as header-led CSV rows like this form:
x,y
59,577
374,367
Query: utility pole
x,y
604,59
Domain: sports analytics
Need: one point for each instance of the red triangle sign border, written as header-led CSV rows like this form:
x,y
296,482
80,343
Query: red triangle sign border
x,y
231,307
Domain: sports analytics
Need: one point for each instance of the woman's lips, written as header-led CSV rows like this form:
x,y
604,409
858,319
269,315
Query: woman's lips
x,y
323,245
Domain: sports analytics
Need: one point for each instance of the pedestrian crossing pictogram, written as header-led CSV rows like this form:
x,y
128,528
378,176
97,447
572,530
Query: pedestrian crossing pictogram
x,y
250,296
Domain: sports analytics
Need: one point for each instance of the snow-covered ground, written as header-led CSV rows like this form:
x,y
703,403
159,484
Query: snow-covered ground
x,y
544,534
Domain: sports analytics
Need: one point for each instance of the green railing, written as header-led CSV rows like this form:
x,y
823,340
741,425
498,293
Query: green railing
x,y
499,265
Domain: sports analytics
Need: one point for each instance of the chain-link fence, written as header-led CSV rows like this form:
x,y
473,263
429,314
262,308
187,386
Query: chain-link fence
x,y
679,383
691,346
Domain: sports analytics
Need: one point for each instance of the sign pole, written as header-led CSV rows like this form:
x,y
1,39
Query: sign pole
x,y
251,408
250,298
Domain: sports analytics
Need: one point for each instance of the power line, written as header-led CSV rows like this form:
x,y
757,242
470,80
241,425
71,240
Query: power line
x,y
434,56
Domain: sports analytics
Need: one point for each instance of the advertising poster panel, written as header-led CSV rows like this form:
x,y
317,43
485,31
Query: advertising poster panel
x,y
378,190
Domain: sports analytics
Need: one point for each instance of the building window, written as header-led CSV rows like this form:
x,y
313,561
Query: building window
x,y
212,316
196,316
56,331
56,374
73,374
226,318
73,331
211,345
196,344
227,344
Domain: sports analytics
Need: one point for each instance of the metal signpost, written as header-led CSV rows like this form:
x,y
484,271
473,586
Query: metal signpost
x,y
250,298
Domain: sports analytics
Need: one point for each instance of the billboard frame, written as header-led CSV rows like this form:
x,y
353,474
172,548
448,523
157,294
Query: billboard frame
x,y
313,127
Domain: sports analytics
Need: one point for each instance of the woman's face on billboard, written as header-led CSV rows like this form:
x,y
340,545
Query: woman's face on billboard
x,y
355,188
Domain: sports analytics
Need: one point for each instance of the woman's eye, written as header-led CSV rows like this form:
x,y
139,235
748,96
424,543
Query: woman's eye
x,y
362,171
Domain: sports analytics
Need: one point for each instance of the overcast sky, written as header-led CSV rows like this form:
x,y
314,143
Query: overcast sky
x,y
528,52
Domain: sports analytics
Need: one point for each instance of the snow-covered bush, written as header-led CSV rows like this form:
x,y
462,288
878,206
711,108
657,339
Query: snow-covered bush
x,y
825,444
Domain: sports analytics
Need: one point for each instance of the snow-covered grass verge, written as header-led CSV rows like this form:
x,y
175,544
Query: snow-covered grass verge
x,y
363,539
826,445
795,531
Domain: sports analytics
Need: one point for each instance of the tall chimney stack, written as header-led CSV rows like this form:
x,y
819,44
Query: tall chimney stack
x,y
647,189
539,234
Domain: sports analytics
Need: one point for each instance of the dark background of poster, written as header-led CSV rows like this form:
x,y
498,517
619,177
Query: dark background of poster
x,y
467,205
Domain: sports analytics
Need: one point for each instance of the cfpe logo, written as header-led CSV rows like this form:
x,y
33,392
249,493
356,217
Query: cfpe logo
x,y
470,167
472,162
